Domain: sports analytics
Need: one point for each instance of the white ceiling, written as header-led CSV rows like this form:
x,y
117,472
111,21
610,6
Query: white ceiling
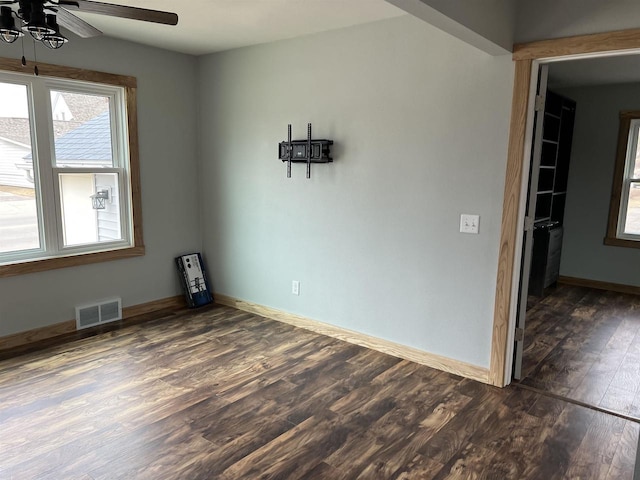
x,y
207,26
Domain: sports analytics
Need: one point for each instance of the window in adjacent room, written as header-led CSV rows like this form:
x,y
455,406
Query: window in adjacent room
x,y
624,215
67,173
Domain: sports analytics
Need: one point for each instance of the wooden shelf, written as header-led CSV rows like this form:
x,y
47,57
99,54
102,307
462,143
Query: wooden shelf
x,y
551,195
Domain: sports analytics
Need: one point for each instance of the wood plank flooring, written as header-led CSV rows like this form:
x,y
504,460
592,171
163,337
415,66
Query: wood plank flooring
x,y
584,344
221,394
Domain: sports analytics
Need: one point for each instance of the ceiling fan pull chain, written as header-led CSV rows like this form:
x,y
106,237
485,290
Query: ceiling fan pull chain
x,y
35,60
24,60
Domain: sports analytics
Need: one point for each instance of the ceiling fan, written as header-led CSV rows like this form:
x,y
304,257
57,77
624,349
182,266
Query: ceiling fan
x,y
40,18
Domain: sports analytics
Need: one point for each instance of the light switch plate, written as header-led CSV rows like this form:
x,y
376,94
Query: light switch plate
x,y
469,223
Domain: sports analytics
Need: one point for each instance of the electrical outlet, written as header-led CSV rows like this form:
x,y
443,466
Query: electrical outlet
x,y
469,223
295,287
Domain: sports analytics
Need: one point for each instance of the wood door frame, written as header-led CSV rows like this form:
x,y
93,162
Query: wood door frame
x,y
527,58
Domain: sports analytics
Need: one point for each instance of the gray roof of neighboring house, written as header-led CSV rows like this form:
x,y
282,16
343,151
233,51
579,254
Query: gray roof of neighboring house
x,y
89,143
16,129
86,114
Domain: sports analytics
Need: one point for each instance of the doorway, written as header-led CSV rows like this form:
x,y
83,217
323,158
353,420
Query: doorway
x,y
528,59
583,343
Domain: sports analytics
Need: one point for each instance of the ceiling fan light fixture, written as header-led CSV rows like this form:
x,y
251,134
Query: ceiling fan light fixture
x,y
8,31
38,27
54,40
44,27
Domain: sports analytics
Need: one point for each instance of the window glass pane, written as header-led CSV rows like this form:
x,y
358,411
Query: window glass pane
x,y
18,206
632,221
90,208
82,130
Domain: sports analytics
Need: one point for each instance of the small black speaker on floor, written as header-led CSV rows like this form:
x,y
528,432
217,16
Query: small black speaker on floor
x,y
193,279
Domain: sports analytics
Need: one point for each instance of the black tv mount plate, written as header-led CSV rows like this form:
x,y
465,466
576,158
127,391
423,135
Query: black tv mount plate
x,y
304,151
320,151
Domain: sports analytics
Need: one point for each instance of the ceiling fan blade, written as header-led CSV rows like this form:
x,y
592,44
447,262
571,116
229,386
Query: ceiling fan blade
x,y
76,25
122,11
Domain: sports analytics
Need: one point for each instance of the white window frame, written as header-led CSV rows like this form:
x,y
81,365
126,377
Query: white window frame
x,y
119,149
629,179
623,178
125,222
121,91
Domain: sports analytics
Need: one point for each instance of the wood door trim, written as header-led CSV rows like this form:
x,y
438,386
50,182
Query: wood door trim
x,y
524,55
580,44
456,367
509,226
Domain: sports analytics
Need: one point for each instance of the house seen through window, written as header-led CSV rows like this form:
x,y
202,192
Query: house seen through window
x,y
64,168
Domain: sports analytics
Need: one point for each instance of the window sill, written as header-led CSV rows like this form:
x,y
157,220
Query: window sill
x,y
43,265
620,242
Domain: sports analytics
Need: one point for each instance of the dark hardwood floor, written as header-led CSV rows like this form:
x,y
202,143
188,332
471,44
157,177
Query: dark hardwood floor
x,y
584,344
221,394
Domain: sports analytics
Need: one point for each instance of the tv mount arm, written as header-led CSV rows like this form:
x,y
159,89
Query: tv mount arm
x,y
308,151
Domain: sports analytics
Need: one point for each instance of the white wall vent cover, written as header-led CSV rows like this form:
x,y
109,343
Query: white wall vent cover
x,y
94,314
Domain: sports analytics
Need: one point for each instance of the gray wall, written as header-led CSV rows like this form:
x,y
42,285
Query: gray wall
x,y
167,135
420,122
590,178
541,19
493,19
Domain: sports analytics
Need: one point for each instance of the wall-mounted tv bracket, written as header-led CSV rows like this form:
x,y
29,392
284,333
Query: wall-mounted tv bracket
x,y
307,151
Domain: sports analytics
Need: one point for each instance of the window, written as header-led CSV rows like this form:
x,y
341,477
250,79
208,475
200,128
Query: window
x,y
624,215
69,181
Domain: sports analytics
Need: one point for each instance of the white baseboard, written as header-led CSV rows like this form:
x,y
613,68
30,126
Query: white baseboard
x,y
43,333
385,346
